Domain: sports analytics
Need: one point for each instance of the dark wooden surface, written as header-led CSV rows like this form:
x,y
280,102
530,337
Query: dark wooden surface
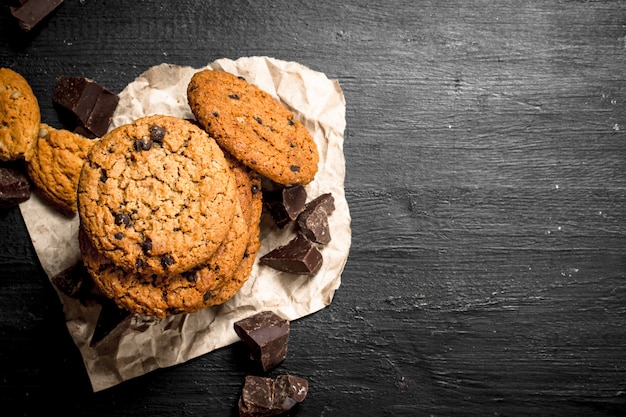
x,y
486,177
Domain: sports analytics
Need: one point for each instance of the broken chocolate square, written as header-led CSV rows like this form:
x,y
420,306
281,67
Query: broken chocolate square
x,y
31,12
262,396
91,104
285,204
266,334
326,201
289,390
313,224
299,256
14,187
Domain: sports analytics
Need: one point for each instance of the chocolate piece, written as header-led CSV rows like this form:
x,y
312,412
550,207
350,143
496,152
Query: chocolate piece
x,y
91,104
326,201
289,390
14,187
285,204
299,256
266,334
313,224
262,396
313,221
112,321
31,12
257,397
74,282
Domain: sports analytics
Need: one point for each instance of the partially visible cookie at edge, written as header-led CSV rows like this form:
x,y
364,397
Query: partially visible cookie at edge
x,y
55,165
251,196
156,196
19,116
253,126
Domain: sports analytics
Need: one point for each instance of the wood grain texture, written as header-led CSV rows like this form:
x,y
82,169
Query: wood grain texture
x,y
486,178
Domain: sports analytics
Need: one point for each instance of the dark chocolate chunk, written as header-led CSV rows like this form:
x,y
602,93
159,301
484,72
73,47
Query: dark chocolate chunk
x,y
313,221
266,334
143,144
257,397
233,96
74,282
167,260
263,396
327,201
157,133
285,204
289,390
294,168
122,219
91,104
14,187
112,321
146,246
313,224
299,256
31,12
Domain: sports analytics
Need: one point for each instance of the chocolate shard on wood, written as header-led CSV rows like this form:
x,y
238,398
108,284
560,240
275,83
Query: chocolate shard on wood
x,y
257,397
263,396
31,12
14,187
285,204
91,104
266,334
289,390
299,256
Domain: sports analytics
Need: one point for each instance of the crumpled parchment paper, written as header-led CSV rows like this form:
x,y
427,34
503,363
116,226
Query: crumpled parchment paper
x,y
148,343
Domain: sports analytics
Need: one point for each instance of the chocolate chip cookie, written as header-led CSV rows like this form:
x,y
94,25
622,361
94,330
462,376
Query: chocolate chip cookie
x,y
253,126
156,196
55,165
249,186
19,116
159,296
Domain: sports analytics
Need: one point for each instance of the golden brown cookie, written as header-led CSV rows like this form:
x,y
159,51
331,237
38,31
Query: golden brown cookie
x,y
156,196
253,126
19,116
55,165
160,296
249,186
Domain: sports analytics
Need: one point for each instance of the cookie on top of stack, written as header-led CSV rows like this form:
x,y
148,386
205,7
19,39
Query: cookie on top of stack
x,y
170,210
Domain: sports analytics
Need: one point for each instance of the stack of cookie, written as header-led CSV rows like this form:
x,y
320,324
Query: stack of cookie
x,y
170,210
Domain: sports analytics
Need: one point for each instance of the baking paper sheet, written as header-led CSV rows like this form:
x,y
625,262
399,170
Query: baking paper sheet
x,y
149,343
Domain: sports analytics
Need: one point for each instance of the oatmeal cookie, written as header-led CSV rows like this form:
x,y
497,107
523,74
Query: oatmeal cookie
x,y
249,186
19,116
159,296
253,126
156,196
55,165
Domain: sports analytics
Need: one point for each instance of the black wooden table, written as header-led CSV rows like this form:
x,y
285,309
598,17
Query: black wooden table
x,y
486,177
